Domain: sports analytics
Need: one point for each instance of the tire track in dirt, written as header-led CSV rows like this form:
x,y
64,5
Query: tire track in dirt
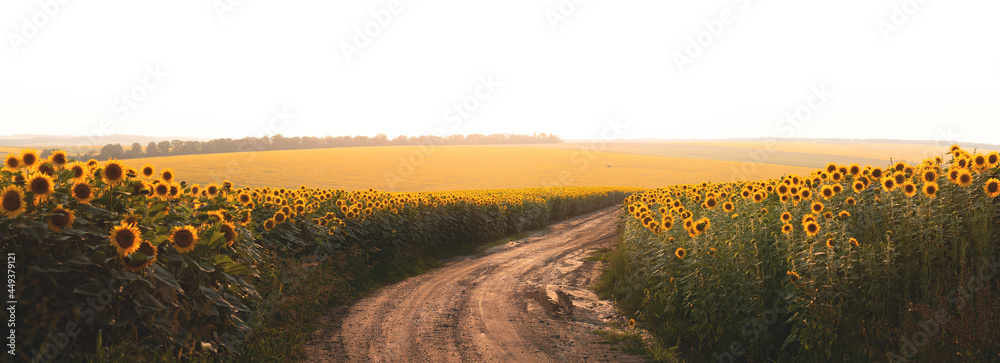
x,y
528,300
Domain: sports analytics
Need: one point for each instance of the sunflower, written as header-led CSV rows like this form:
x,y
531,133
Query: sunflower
x,y
167,174
851,201
910,189
793,275
831,167
837,189
829,242
148,171
13,201
46,167
631,323
58,158
244,198
817,207
41,185
786,228
953,174
195,190
29,158
125,238
229,231
805,193
710,203
184,238
680,252
930,176
844,214
82,192
931,189
980,161
888,184
812,228
162,190
212,190
60,218
270,223
854,242
174,190
92,163
217,215
711,251
113,172
900,178
134,263
992,187
964,178
11,162
279,217
827,192
994,159
876,173
131,219
80,171
854,170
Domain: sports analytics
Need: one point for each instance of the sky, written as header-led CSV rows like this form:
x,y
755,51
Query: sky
x,y
581,69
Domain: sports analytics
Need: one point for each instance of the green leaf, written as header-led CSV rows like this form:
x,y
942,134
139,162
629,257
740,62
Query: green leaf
x,y
166,277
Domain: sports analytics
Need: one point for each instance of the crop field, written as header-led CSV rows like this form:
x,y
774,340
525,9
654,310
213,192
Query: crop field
x,y
177,263
455,168
845,263
800,154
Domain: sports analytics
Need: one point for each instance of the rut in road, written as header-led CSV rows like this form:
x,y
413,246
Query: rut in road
x,y
527,301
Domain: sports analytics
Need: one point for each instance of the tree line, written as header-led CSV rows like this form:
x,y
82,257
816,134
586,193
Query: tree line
x,y
279,142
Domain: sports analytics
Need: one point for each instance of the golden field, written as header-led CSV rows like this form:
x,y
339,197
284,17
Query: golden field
x,y
802,154
453,168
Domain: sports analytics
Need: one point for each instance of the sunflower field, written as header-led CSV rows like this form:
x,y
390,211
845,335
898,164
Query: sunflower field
x,y
848,263
110,255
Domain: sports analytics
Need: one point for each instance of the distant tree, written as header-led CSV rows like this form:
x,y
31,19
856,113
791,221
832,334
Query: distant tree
x,y
111,151
163,148
151,149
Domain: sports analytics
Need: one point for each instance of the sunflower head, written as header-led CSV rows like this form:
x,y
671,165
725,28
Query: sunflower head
x,y
82,192
184,238
41,185
817,207
58,158
854,242
11,201
29,158
11,162
147,171
229,231
930,189
125,238
212,190
167,174
135,263
680,252
964,178
851,201
60,218
812,228
786,228
113,172
844,214
829,243
992,187
910,189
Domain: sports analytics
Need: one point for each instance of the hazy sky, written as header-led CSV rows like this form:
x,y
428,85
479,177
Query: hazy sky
x,y
664,69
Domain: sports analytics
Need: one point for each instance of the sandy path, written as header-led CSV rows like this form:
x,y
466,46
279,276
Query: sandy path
x,y
501,306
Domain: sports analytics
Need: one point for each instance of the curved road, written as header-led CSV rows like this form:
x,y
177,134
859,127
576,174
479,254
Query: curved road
x,y
526,301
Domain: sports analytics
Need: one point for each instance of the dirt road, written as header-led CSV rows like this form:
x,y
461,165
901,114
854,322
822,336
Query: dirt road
x,y
526,301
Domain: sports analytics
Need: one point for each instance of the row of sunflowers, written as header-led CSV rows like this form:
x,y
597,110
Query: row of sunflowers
x,y
847,263
121,255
